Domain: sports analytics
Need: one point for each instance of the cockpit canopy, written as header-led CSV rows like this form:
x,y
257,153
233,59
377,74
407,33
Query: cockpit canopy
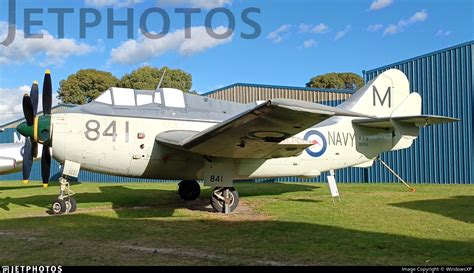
x,y
116,96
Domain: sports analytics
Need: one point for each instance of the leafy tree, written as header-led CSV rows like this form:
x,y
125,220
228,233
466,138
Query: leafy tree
x,y
351,80
336,81
148,78
85,85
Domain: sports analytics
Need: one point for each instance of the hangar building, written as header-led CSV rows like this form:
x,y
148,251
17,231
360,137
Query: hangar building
x,y
442,154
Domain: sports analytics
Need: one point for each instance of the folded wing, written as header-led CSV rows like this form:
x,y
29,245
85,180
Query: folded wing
x,y
266,131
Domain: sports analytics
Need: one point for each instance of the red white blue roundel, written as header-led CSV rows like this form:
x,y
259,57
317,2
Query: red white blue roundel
x,y
319,143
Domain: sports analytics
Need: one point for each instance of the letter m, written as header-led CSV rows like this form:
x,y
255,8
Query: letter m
x,y
388,94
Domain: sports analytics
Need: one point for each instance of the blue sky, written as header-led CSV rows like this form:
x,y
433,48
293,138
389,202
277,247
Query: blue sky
x,y
299,39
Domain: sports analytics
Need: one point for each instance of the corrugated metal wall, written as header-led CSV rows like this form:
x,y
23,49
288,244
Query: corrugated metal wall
x,y
442,154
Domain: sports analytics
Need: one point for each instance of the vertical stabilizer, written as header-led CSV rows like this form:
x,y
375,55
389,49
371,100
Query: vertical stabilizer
x,y
381,96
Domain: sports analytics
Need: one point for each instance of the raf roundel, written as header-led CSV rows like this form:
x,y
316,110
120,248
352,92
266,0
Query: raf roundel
x,y
319,143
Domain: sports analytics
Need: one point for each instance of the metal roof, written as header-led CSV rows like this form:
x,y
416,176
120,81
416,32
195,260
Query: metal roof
x,y
345,91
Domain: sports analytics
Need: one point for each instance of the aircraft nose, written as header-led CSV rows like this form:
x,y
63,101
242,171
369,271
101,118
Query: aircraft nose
x,y
25,130
40,131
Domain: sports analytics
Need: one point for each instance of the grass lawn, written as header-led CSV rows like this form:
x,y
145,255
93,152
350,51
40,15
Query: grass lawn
x,y
276,224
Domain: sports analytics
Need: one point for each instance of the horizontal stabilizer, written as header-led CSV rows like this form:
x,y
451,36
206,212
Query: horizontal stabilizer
x,y
388,123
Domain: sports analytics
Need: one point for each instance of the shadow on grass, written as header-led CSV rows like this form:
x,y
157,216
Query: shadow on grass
x,y
167,201
19,187
458,207
219,242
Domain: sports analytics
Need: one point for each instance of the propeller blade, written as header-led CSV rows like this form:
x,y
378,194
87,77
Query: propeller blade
x,y
47,93
27,160
28,110
45,165
34,97
34,149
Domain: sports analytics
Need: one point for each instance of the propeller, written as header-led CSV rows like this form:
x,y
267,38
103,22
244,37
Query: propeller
x,y
37,129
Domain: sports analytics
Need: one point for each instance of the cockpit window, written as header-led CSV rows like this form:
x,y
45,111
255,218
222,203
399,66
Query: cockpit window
x,y
105,97
130,97
157,97
123,96
173,98
144,97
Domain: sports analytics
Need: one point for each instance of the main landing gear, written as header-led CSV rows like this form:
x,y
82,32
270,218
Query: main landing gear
x,y
224,200
65,202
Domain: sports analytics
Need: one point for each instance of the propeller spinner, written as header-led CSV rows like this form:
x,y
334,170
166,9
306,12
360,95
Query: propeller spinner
x,y
37,129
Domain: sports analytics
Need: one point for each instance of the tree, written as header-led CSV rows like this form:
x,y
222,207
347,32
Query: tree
x,y
148,78
85,85
351,80
336,81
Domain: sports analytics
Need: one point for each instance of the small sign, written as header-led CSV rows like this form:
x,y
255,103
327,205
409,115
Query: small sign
x,y
333,186
71,168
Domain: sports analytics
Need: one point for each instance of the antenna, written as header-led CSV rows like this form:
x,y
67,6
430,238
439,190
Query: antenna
x,y
162,77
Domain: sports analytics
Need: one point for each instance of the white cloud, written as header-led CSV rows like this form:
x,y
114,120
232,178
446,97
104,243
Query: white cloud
x,y
277,35
309,43
380,4
342,33
320,29
391,29
47,50
443,33
375,28
418,17
206,4
112,3
139,51
11,103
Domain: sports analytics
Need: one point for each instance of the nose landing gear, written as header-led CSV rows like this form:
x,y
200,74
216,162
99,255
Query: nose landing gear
x,y
65,203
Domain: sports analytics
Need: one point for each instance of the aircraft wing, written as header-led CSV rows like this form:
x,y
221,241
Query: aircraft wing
x,y
387,123
266,131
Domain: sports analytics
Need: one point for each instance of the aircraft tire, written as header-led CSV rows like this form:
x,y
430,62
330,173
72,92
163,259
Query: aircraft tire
x,y
58,206
73,204
218,204
189,190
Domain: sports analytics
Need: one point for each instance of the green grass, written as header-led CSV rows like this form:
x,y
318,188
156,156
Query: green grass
x,y
276,224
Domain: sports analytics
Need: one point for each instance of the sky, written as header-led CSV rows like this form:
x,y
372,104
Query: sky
x,y
298,40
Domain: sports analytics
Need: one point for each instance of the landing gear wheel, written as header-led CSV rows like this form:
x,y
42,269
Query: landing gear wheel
x,y
65,203
72,205
59,206
189,190
218,199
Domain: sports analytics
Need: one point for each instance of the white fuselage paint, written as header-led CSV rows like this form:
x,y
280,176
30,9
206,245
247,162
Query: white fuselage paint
x,y
115,148
11,157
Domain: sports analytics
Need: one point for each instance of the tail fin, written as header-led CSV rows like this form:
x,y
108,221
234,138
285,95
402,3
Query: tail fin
x,y
384,96
388,98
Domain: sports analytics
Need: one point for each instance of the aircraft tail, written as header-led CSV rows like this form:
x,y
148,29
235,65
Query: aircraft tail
x,y
388,99
384,96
